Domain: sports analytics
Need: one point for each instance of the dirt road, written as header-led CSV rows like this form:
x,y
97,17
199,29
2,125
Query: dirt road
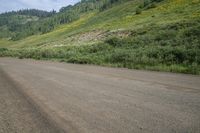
x,y
42,96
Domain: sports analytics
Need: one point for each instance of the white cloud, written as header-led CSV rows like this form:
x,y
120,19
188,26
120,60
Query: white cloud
x,y
9,5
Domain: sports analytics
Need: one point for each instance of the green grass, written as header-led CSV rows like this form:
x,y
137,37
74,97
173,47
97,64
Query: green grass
x,y
164,38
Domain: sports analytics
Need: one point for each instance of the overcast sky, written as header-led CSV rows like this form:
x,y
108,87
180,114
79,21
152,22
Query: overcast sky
x,y
10,5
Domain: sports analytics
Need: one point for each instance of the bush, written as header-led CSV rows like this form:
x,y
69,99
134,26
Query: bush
x,y
82,60
114,41
3,49
146,2
118,56
100,47
138,11
152,5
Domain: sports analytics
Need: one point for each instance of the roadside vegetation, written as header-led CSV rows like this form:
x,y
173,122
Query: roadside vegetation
x,y
160,35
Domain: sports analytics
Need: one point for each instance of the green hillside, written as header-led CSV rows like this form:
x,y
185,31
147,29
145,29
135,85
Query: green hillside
x,y
15,23
162,35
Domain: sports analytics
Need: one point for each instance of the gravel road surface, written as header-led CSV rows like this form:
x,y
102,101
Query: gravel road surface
x,y
44,96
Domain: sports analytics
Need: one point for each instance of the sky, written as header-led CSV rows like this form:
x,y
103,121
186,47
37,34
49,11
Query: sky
x,y
48,5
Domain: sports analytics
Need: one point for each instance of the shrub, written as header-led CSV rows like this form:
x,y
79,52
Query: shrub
x,y
147,2
114,41
152,5
3,49
138,11
118,56
99,47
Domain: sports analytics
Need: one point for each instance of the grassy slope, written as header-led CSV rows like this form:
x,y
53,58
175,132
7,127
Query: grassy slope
x,y
120,17
63,44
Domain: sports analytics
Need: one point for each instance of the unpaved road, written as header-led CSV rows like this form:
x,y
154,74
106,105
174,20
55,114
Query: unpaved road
x,y
42,96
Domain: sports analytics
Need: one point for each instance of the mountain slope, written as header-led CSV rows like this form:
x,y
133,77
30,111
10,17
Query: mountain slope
x,y
20,25
15,22
160,35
